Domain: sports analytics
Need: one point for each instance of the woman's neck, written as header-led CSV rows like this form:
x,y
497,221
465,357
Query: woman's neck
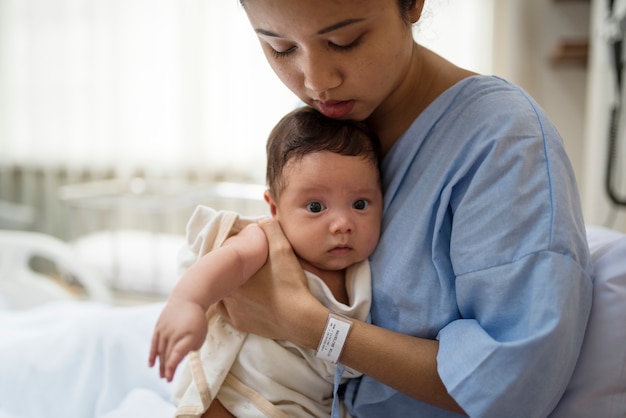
x,y
428,76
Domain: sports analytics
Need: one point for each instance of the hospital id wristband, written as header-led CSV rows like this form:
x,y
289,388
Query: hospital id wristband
x,y
333,338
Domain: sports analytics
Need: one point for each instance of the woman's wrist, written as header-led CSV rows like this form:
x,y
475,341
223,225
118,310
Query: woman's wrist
x,y
334,337
308,326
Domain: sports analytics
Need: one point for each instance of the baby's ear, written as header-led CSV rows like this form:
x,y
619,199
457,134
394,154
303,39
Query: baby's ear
x,y
269,198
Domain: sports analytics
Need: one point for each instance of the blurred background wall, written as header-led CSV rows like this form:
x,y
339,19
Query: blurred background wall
x,y
162,90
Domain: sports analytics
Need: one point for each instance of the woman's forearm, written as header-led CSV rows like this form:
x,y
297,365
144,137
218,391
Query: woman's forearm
x,y
407,364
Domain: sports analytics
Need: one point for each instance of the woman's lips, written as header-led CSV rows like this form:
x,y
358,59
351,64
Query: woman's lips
x,y
335,108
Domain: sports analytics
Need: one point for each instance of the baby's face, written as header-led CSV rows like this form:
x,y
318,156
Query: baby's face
x,y
330,209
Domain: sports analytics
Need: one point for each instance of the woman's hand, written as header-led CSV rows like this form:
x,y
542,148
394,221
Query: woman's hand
x,y
276,302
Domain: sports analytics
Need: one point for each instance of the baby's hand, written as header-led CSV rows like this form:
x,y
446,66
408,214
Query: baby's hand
x,y
181,328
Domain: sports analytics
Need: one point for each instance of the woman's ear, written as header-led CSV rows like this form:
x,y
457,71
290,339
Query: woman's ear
x,y
415,12
269,198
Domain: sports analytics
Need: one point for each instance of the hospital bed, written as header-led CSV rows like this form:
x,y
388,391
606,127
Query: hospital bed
x,y
66,348
67,351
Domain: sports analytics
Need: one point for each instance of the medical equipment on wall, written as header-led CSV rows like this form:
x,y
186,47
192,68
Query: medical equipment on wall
x,y
616,24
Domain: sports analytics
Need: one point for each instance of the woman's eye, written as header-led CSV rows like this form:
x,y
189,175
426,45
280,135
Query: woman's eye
x,y
360,204
282,53
315,207
345,47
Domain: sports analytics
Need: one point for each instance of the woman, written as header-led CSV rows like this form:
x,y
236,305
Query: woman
x,y
482,277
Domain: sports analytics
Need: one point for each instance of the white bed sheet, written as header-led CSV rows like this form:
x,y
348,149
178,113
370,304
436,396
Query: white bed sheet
x,y
80,359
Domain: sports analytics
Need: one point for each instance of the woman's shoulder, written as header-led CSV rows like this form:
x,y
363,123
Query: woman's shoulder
x,y
492,107
489,94
477,116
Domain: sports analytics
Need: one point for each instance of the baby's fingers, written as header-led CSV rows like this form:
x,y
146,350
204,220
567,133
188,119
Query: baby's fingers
x,y
153,349
159,350
175,355
172,363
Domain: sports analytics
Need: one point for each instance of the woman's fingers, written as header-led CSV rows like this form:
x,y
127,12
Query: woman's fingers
x,y
222,311
282,262
274,233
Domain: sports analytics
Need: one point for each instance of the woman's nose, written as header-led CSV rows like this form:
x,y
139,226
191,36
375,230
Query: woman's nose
x,y
320,72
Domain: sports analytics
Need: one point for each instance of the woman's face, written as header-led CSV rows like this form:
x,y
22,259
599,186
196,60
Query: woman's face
x,y
342,57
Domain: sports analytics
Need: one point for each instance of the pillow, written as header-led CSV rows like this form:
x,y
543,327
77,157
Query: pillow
x,y
132,260
598,385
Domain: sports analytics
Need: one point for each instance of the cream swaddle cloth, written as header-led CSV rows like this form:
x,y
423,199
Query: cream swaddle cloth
x,y
250,375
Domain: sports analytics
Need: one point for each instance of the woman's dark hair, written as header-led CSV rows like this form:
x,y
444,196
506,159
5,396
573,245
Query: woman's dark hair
x,y
305,131
405,6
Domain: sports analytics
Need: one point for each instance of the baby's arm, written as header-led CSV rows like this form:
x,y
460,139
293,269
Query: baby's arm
x,y
182,326
219,272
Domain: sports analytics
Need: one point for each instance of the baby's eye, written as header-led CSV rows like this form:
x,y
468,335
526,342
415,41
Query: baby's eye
x,y
315,207
360,204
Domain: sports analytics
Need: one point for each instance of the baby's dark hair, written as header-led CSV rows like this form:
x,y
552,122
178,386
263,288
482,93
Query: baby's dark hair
x,y
305,131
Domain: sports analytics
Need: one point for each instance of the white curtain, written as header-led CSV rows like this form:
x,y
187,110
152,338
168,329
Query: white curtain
x,y
162,85
152,84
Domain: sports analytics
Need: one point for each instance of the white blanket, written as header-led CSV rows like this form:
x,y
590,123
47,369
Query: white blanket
x,y
79,359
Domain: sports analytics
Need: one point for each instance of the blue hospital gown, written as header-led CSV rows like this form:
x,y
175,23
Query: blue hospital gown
x,y
483,247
